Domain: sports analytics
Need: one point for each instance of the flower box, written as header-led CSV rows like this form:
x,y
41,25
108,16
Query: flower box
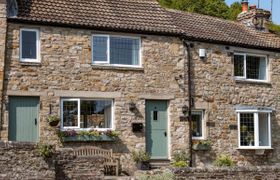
x,y
88,138
201,147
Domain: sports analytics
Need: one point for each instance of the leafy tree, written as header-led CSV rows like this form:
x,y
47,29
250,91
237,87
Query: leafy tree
x,y
234,10
217,8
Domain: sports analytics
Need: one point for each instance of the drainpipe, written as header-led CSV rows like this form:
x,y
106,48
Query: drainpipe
x,y
188,46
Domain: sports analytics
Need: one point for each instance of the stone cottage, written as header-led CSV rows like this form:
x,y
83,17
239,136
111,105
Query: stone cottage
x,y
137,68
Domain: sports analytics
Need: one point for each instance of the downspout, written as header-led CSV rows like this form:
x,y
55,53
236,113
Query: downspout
x,y
188,46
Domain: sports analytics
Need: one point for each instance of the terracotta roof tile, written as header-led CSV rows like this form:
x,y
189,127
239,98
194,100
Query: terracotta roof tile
x,y
207,28
145,16
138,15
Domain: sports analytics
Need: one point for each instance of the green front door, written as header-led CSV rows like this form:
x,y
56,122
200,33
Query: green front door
x,y
23,119
156,129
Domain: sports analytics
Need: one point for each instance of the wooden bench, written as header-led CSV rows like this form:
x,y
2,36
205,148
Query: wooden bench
x,y
111,161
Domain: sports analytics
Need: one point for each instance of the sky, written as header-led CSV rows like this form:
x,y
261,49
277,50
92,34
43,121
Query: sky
x,y
265,4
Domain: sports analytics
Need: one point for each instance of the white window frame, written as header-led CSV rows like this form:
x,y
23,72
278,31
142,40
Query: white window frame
x,y
256,129
108,51
79,114
203,124
38,58
244,77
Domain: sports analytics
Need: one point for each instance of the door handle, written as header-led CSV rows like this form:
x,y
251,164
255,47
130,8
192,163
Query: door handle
x,y
35,121
165,133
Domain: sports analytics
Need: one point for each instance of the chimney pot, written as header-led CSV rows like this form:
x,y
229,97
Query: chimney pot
x,y
245,5
253,7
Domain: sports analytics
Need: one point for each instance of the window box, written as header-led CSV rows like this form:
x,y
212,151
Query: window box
x,y
254,129
204,145
201,147
251,67
88,138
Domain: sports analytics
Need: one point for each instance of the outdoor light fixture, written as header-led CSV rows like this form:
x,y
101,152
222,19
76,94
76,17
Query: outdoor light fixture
x,y
185,110
132,106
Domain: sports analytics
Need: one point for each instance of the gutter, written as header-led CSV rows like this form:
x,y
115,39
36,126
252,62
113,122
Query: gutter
x,y
189,57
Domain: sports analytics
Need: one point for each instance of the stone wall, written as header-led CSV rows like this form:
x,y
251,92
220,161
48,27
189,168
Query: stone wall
x,y
22,161
3,28
66,70
217,93
241,173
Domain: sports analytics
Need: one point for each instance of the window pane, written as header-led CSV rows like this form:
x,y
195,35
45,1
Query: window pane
x,y
263,130
197,124
256,68
96,114
247,129
238,65
99,49
124,51
70,113
29,49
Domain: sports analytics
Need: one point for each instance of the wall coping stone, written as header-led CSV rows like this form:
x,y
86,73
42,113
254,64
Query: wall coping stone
x,y
13,144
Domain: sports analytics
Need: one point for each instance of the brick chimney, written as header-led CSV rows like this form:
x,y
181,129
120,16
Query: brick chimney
x,y
3,29
245,5
253,17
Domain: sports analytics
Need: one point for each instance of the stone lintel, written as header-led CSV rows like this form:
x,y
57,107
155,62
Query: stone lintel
x,y
157,96
25,93
87,94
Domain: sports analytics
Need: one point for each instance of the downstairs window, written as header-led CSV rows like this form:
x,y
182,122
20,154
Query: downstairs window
x,y
254,130
87,114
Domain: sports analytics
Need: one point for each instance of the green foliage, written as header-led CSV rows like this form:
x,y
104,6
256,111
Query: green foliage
x,y
180,159
45,150
180,164
234,10
181,156
274,27
204,142
52,118
217,8
168,175
140,156
224,161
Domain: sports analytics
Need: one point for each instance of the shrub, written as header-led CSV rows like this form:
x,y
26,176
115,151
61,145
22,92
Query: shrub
x,y
163,176
45,150
180,159
140,156
180,164
52,118
224,161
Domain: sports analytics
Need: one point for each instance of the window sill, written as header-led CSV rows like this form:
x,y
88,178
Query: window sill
x,y
88,138
254,148
113,67
30,63
245,81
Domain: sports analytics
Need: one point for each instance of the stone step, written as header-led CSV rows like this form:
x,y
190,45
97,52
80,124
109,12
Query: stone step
x,y
158,164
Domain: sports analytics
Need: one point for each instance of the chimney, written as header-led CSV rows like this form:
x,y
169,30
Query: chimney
x,y
253,17
245,4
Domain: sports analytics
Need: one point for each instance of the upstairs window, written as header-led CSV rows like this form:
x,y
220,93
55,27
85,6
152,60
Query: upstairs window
x,y
250,67
116,50
29,45
254,130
